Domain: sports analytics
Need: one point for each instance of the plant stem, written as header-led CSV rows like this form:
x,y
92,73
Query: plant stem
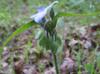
x,y
55,62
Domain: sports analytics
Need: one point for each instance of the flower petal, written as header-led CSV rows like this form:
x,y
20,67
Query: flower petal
x,y
38,17
40,9
42,13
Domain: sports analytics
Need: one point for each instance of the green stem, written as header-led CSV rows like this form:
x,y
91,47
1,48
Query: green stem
x,y
55,62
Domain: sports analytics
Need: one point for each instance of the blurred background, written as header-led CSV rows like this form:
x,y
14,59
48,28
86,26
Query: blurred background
x,y
14,13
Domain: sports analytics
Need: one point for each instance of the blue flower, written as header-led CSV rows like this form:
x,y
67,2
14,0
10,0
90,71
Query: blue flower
x,y
42,12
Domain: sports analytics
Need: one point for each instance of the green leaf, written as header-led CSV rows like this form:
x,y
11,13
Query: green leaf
x,y
1,49
49,43
52,13
18,31
90,68
61,14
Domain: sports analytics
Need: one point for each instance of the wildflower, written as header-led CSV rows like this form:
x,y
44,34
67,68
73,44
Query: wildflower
x,y
42,12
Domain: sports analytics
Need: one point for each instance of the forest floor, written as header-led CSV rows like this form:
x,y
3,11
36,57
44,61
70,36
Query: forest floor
x,y
80,54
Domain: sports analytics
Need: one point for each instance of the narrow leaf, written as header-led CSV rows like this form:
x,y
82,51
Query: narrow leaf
x,y
18,31
61,14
